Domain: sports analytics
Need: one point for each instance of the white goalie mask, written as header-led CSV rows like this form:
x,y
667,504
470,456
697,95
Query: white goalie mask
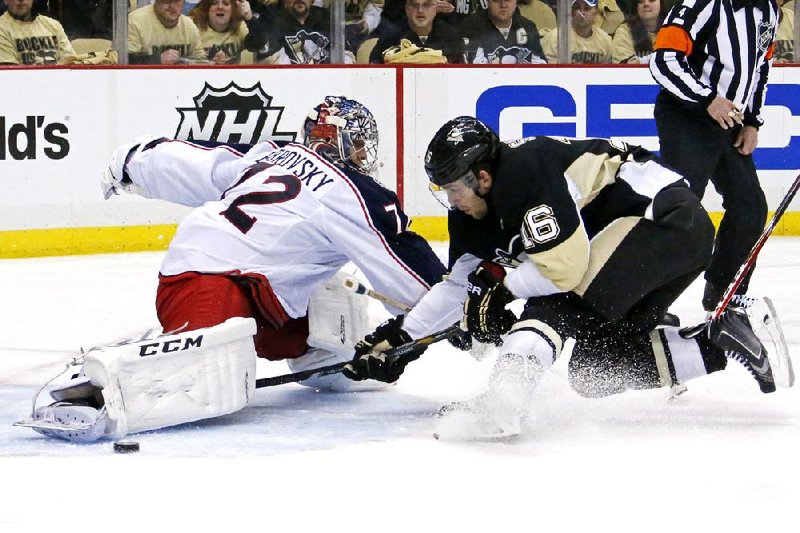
x,y
344,132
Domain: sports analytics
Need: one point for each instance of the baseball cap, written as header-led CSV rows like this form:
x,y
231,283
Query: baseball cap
x,y
590,3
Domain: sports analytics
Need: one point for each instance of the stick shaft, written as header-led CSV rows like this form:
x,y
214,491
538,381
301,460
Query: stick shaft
x,y
359,288
405,350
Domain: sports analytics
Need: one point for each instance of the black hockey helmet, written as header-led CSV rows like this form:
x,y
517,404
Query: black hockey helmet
x,y
462,144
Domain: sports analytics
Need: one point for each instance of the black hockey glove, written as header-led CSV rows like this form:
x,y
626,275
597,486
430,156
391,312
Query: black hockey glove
x,y
461,340
370,361
485,313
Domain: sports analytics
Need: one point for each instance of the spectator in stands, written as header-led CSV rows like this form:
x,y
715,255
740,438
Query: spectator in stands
x,y
29,38
223,26
634,38
361,18
455,12
84,20
392,15
501,35
297,32
540,13
587,43
609,15
423,29
784,41
160,34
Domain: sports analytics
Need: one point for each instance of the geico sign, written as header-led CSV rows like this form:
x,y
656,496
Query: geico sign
x,y
599,121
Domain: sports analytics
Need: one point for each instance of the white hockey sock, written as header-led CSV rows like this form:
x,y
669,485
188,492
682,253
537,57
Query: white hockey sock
x,y
686,356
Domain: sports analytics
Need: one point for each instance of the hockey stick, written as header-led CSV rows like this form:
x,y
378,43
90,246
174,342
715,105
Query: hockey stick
x,y
406,350
359,288
748,262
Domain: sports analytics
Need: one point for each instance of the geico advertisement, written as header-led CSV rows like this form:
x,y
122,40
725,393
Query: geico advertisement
x,y
594,102
64,125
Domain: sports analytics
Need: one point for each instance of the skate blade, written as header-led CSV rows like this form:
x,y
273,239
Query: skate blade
x,y
767,326
676,391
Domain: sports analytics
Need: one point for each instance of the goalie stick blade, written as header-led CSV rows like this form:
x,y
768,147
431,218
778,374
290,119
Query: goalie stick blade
x,y
767,327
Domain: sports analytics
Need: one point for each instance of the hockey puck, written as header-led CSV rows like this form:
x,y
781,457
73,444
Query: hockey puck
x,y
126,446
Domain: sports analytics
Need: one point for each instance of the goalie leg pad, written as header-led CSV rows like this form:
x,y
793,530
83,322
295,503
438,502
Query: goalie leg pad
x,y
337,317
176,379
154,383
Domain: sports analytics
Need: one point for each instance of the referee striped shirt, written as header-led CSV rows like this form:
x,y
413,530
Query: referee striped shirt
x,y
709,48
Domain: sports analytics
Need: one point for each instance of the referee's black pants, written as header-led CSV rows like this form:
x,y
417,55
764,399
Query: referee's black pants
x,y
695,146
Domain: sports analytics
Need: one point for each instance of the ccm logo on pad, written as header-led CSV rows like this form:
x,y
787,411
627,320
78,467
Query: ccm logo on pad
x,y
175,345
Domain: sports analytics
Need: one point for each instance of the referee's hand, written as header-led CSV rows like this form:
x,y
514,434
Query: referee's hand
x,y
726,113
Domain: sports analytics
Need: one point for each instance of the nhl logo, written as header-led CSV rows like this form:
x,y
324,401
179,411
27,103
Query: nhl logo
x,y
232,115
764,36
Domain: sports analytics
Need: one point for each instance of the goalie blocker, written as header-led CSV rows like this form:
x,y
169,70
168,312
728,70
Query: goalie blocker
x,y
154,383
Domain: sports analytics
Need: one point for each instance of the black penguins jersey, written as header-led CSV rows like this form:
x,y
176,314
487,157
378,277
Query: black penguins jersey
x,y
550,196
485,43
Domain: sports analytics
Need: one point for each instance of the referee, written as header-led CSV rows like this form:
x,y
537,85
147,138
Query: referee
x,y
712,59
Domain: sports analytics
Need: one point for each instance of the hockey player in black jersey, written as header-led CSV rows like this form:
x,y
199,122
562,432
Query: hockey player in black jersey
x,y
600,239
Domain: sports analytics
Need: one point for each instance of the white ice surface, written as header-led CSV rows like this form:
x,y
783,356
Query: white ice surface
x,y
722,458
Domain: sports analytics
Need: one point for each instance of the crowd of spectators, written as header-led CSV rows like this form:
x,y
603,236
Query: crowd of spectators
x,y
375,31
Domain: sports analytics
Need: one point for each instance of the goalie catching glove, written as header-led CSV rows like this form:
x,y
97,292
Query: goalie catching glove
x,y
485,315
370,361
115,177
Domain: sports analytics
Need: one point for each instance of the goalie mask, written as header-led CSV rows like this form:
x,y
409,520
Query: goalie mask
x,y
457,151
344,132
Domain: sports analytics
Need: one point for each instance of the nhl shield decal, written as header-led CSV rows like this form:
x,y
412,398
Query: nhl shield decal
x,y
232,114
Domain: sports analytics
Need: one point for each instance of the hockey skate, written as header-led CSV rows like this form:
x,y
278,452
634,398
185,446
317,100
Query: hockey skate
x,y
742,331
501,411
481,419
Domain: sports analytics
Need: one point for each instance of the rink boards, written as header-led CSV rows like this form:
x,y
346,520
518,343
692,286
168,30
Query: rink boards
x,y
59,126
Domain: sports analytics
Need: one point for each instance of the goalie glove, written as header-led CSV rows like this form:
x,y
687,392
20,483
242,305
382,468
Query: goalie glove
x,y
485,315
115,178
370,361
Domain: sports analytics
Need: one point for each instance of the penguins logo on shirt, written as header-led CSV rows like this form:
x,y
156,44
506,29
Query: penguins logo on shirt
x,y
308,48
509,55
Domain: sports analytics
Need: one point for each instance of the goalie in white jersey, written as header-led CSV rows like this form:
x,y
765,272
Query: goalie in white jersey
x,y
275,224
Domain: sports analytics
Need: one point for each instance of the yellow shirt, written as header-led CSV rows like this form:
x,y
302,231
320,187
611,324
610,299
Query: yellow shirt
x,y
594,49
540,13
146,35
41,41
230,42
622,46
784,41
609,16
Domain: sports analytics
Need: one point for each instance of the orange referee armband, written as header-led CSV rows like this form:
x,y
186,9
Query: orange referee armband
x,y
673,38
770,51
